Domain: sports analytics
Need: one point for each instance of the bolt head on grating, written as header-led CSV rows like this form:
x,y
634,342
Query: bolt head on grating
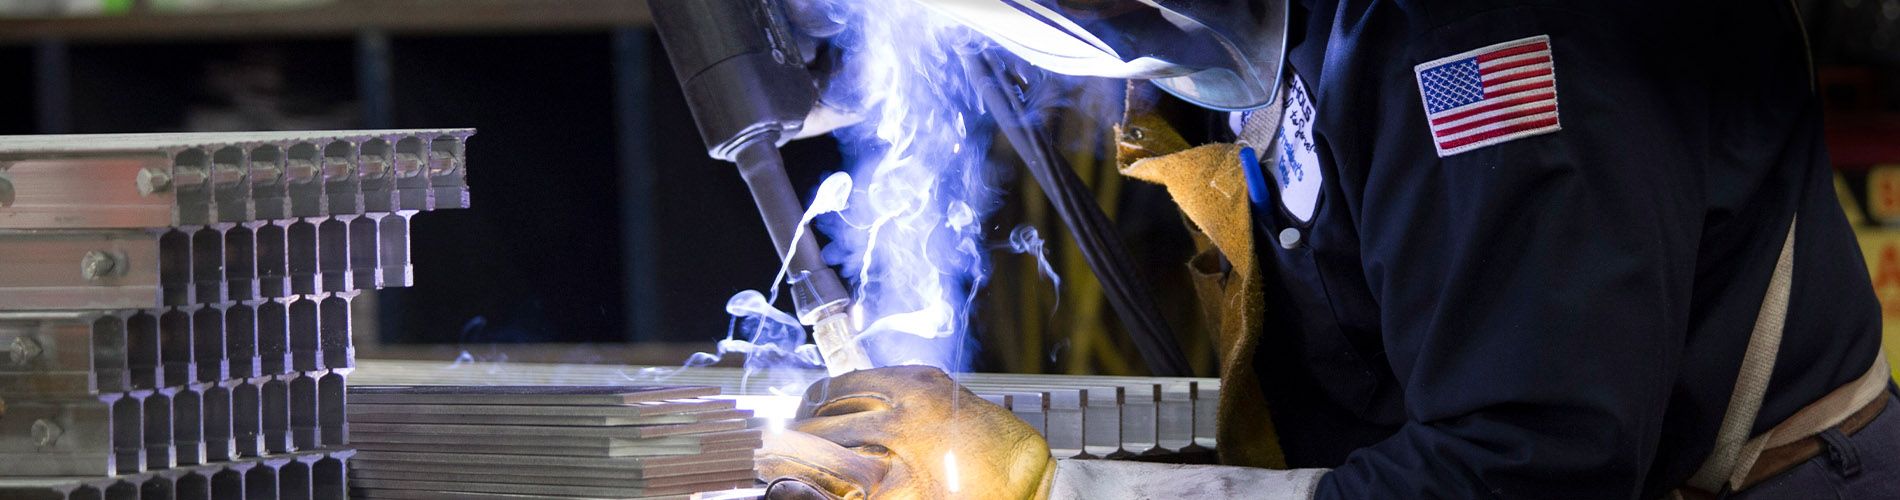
x,y
46,433
98,264
23,350
154,180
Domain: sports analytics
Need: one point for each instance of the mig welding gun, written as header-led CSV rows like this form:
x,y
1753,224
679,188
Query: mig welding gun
x,y
749,89
750,92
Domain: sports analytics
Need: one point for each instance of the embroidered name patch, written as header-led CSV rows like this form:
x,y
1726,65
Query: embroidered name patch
x,y
1296,165
1491,95
1283,133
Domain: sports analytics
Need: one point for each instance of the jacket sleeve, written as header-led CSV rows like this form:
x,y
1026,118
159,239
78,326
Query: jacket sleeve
x,y
1534,294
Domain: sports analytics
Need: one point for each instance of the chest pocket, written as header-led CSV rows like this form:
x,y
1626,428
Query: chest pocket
x,y
1322,325
1307,319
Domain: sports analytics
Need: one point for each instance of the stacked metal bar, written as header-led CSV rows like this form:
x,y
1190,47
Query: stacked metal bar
x,y
177,306
1082,416
547,442
293,475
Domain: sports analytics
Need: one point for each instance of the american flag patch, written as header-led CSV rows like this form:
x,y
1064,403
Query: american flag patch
x,y
1490,96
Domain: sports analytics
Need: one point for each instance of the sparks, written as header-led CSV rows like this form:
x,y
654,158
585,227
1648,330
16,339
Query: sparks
x,y
951,480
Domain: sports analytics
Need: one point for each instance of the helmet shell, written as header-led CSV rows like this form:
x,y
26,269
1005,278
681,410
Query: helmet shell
x,y
1219,54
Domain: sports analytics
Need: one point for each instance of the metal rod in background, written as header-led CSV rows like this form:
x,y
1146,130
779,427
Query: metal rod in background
x,y
639,179
52,80
1094,233
374,76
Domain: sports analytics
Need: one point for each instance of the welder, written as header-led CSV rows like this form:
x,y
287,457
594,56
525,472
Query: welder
x,y
1486,249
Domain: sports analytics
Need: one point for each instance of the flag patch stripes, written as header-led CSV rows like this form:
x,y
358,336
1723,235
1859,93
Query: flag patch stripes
x,y
1491,95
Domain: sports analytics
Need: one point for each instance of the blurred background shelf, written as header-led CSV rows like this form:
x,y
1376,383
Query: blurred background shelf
x,y
333,18
579,121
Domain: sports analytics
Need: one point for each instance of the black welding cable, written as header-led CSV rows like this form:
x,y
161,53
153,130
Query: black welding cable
x,y
1096,236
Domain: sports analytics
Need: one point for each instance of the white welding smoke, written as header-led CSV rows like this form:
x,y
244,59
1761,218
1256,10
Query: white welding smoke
x,y
772,341
905,218
1025,240
911,241
833,196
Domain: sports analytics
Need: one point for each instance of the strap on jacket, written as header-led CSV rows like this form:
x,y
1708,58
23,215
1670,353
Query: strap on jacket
x,y
1732,456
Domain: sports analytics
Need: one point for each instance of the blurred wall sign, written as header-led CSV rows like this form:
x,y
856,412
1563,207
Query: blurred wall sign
x,y
171,6
1880,246
62,8
87,8
1883,193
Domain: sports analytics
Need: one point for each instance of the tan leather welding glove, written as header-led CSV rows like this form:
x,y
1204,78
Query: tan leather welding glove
x,y
903,432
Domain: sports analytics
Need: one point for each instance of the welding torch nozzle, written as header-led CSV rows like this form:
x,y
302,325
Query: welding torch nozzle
x,y
838,342
819,296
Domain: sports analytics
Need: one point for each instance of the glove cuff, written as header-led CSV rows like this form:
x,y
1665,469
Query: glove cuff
x,y
1094,479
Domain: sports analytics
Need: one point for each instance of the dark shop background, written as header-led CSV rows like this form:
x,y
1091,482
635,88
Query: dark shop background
x,y
600,231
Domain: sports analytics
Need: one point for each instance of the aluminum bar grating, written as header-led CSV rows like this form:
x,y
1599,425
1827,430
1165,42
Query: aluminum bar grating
x,y
1081,416
176,307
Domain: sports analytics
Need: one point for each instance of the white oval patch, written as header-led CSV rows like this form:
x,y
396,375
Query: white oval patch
x,y
1295,163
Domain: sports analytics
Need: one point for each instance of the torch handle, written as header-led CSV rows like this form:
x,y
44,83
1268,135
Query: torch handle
x,y
818,294
816,290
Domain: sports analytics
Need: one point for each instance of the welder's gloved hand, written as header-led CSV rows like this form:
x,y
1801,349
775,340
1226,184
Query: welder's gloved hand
x,y
904,432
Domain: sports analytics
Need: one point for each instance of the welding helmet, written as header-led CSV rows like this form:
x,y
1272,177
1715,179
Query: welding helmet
x,y
1219,54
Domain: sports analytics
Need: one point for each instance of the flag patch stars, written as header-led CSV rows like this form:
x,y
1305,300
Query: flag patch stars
x,y
1491,95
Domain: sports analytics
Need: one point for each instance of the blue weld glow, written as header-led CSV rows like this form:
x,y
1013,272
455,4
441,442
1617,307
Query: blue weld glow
x,y
911,241
905,217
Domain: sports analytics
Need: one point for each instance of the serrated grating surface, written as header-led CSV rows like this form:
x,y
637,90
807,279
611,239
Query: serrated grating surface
x,y
1081,416
187,301
313,475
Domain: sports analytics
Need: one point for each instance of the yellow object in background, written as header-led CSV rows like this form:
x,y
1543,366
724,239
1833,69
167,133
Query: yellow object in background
x,y
1880,245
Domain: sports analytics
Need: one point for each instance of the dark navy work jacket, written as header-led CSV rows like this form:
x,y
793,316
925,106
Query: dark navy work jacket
x,y
1561,315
